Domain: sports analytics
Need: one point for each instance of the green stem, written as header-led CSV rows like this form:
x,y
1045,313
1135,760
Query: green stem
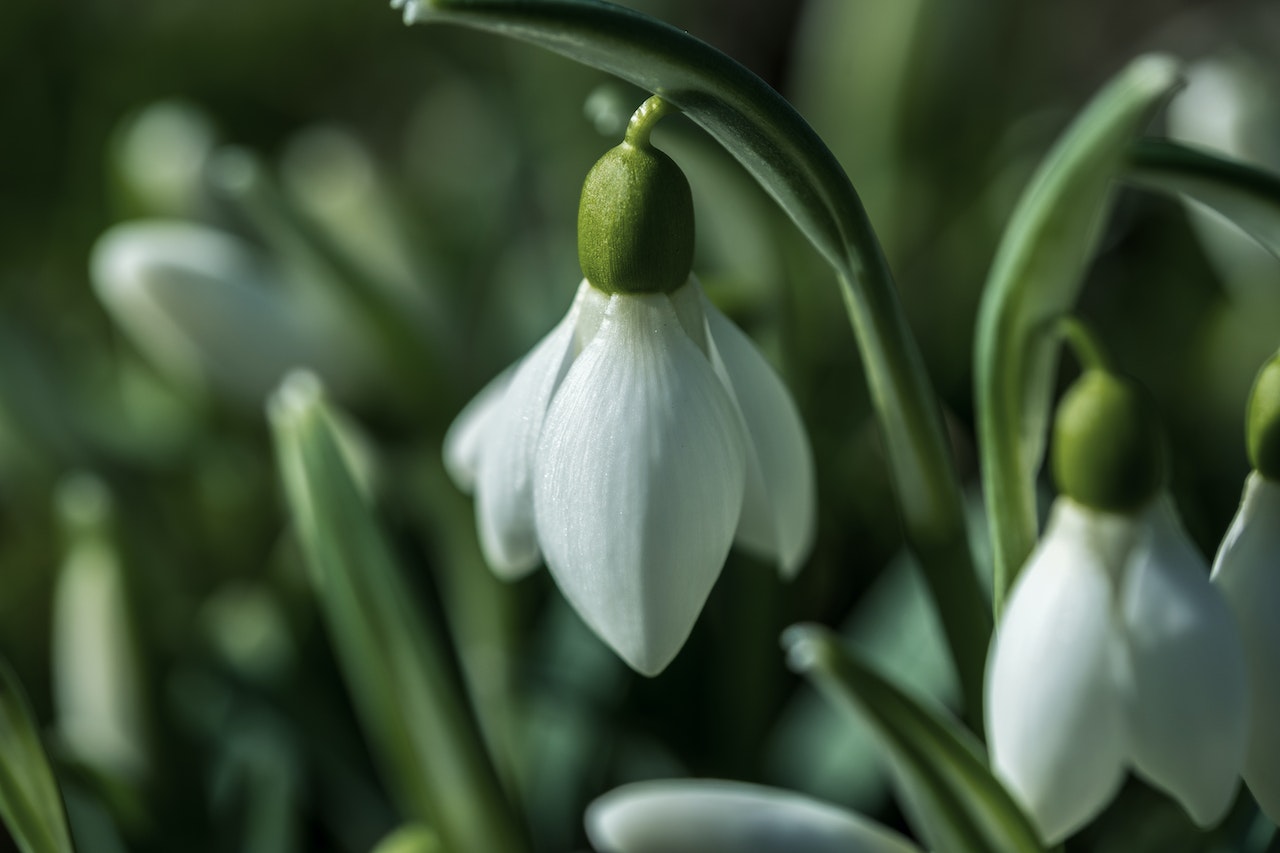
x,y
1085,344
643,121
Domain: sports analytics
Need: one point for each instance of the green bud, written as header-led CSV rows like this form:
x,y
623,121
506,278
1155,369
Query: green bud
x,y
1108,450
635,222
1262,421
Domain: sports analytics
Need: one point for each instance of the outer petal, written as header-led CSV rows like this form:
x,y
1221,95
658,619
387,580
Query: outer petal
x,y
640,473
1055,717
504,473
710,816
778,510
465,437
1189,712
1247,571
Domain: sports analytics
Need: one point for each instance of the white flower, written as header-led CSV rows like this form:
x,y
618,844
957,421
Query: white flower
x,y
96,684
1247,570
1115,651
713,816
629,449
204,308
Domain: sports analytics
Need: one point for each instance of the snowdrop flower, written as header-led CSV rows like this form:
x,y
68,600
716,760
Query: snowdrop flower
x,y
1247,571
96,683
713,816
1114,651
205,309
159,155
643,435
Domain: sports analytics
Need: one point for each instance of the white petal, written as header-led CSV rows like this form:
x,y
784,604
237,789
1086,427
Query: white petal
x,y
778,508
504,474
492,442
463,441
1247,571
711,816
1055,718
1189,704
639,481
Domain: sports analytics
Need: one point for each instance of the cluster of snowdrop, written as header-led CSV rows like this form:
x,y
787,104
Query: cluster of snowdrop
x,y
645,434
1117,650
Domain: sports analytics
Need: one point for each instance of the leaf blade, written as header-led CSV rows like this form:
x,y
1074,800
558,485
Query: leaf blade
x,y
958,803
1035,279
411,703
30,802
1247,196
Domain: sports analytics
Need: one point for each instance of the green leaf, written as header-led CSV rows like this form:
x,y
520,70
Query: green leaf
x,y
411,838
30,802
405,687
955,801
1035,279
1247,196
784,154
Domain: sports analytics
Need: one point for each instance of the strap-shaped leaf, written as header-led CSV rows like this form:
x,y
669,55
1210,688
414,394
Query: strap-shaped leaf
x,y
954,800
784,154
411,703
30,802
1035,279
1247,196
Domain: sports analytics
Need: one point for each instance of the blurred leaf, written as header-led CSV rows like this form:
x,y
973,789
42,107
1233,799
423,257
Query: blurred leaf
x,y
822,751
958,803
29,799
410,838
408,694
784,154
1247,196
1035,279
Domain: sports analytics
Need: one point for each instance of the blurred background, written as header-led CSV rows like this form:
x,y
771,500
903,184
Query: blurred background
x,y
195,196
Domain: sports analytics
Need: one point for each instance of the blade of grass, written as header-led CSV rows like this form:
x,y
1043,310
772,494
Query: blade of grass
x,y
1247,196
30,801
398,668
958,804
1035,279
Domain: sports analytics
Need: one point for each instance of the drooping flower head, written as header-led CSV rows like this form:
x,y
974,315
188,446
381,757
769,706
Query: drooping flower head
x,y
1247,571
1114,652
643,435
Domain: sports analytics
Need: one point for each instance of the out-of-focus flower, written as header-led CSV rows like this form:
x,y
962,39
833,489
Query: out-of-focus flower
x,y
1247,571
713,816
205,309
642,436
1114,650
160,154
96,684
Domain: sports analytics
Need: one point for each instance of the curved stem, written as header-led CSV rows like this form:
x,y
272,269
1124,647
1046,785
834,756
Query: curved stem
x,y
1084,342
643,121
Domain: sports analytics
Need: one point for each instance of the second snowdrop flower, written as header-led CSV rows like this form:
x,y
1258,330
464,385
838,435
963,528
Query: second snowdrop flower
x,y
641,437
1247,570
1114,650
